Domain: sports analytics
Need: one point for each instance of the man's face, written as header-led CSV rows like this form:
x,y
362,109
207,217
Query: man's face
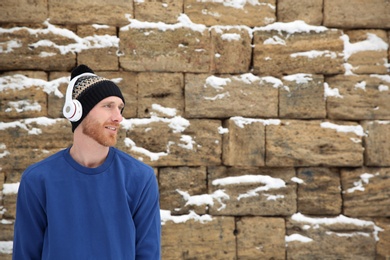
x,y
103,121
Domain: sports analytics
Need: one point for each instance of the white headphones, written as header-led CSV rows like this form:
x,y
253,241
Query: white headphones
x,y
73,110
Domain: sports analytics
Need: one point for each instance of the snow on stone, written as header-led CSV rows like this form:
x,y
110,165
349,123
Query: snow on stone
x,y
187,142
300,78
164,110
222,130
6,247
297,238
23,105
361,85
341,219
220,29
241,121
25,124
269,183
18,82
238,4
274,40
292,27
205,199
359,185
183,22
11,45
154,156
166,216
5,152
80,44
177,124
231,37
385,78
372,43
297,180
315,54
10,188
383,88
331,92
358,130
216,82
249,78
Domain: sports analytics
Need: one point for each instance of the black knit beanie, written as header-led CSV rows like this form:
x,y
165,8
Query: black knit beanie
x,y
90,90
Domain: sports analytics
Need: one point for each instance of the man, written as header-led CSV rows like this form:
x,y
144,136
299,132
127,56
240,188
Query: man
x,y
91,200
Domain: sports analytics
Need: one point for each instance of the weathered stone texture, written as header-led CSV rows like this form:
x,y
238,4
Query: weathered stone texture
x,y
357,14
195,240
377,144
232,48
319,193
360,97
302,97
55,102
264,192
159,94
166,11
226,96
309,11
175,49
243,145
9,204
330,238
248,13
35,48
279,52
20,98
366,192
6,230
23,11
173,141
82,12
311,143
260,238
382,248
372,56
176,184
99,58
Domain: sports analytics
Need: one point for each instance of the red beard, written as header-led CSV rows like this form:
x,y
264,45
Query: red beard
x,y
99,133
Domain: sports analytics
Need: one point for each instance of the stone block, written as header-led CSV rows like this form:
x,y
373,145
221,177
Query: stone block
x,y
196,239
233,50
249,13
81,12
302,97
177,186
6,230
9,204
23,11
260,238
366,192
357,14
319,193
366,51
243,142
225,96
382,247
128,83
252,191
160,94
377,143
306,49
173,141
99,58
330,238
359,97
309,11
22,95
167,48
38,48
166,11
314,143
56,101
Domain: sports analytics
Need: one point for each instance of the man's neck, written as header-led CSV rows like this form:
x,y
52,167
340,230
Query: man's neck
x,y
87,151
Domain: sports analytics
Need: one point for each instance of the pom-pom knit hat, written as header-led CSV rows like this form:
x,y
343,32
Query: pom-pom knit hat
x,y
90,90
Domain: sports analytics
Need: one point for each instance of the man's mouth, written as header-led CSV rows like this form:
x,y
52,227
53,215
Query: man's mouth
x,y
112,128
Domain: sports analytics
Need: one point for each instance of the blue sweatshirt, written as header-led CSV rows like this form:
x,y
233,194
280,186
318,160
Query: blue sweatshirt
x,y
68,211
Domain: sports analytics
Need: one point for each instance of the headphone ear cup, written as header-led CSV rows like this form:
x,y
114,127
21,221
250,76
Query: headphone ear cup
x,y
73,110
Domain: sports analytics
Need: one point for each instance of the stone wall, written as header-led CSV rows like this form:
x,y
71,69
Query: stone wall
x,y
267,122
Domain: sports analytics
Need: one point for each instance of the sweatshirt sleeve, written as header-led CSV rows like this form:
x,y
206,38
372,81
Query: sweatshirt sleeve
x,y
148,222
30,223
